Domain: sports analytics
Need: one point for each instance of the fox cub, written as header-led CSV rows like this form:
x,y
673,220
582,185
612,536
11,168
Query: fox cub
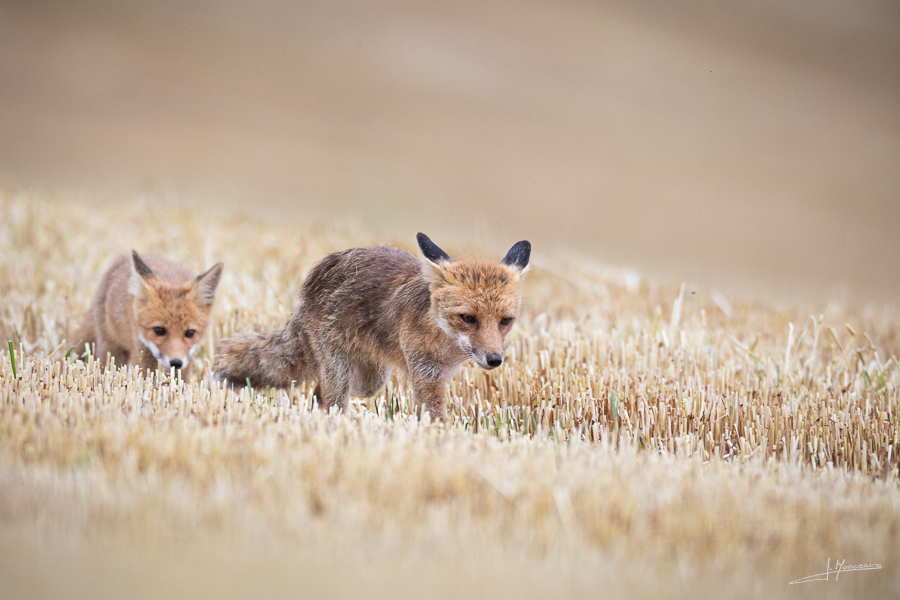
x,y
365,311
148,310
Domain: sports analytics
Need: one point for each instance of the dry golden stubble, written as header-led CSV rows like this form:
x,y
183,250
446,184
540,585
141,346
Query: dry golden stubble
x,y
633,418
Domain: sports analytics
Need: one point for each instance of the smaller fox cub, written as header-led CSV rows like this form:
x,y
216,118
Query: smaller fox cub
x,y
366,311
148,310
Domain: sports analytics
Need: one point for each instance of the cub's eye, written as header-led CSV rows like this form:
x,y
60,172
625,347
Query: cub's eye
x,y
506,321
189,333
468,319
159,330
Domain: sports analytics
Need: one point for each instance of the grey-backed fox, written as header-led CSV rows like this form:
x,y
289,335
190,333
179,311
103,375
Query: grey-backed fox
x,y
366,311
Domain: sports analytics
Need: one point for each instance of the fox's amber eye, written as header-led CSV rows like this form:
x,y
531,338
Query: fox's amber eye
x,y
468,319
505,321
159,330
189,333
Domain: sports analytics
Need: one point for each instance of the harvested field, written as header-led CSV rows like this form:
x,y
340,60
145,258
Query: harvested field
x,y
644,437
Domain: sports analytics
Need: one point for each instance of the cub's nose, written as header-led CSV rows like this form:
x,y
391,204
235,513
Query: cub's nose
x,y
175,363
494,360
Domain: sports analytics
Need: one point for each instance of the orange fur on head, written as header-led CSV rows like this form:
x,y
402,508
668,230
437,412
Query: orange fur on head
x,y
476,302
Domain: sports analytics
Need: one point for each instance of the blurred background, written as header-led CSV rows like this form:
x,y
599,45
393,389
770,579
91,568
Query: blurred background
x,y
744,143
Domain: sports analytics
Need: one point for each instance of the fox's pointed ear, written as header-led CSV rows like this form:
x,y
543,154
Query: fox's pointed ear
x,y
140,267
430,250
518,256
205,285
141,274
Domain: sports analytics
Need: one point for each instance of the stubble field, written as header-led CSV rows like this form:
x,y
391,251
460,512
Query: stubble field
x,y
643,437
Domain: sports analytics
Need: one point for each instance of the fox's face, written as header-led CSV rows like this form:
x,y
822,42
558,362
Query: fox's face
x,y
171,319
476,302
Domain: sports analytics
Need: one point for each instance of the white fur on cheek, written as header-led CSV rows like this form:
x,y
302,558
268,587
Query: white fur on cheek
x,y
445,327
466,345
151,346
464,342
193,351
477,355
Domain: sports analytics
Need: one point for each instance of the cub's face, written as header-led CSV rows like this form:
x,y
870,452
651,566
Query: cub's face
x,y
170,325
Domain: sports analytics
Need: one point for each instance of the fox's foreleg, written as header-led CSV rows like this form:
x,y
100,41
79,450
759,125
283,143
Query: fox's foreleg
x,y
429,383
106,349
86,335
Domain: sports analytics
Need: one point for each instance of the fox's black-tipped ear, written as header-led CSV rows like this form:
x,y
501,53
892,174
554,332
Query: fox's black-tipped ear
x,y
141,274
430,250
518,255
140,267
206,284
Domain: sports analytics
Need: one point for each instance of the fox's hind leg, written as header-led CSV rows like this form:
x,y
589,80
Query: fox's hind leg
x,y
333,387
366,379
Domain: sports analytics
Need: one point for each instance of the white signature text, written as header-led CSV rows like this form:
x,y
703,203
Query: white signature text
x,y
839,567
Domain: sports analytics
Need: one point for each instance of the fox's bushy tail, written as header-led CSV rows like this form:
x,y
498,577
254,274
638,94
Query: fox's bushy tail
x,y
271,359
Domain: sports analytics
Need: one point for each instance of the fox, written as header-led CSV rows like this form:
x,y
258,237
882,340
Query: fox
x,y
364,312
149,311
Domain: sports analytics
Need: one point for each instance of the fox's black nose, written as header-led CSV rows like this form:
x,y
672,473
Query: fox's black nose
x,y
176,363
494,360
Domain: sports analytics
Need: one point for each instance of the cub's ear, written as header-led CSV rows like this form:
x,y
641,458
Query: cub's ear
x,y
140,267
141,275
518,256
430,250
205,285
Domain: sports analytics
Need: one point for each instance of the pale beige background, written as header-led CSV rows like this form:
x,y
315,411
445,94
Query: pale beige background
x,y
745,143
